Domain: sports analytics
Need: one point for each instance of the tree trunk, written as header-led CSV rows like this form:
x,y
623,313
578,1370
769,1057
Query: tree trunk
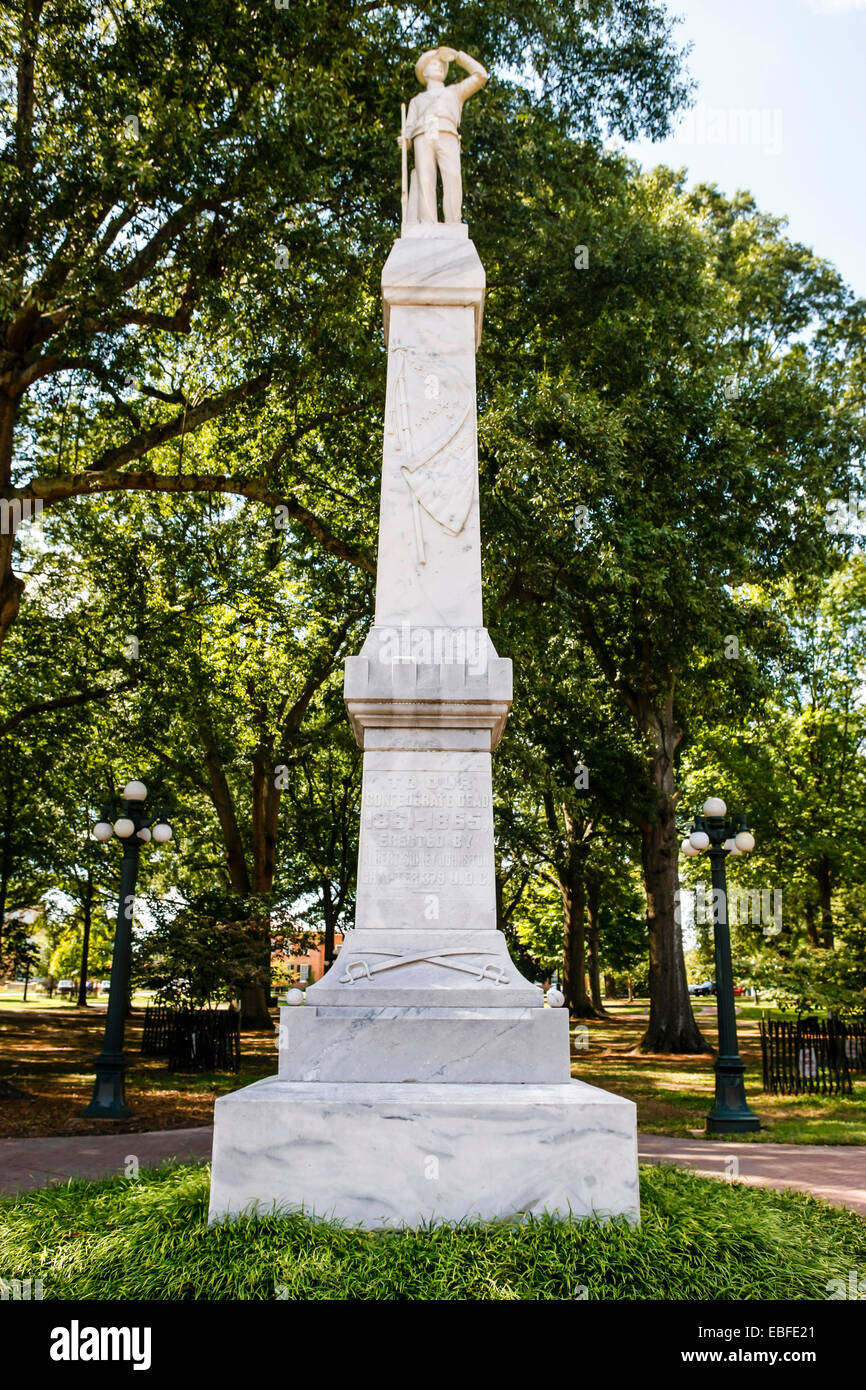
x,y
672,1026
255,1017
609,986
265,810
11,587
85,945
5,855
265,818
629,984
567,860
254,1010
825,895
592,902
220,795
4,887
499,890
330,922
253,999
811,927
574,955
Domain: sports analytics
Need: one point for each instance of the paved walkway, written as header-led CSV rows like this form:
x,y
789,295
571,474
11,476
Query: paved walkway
x,y
835,1172
28,1163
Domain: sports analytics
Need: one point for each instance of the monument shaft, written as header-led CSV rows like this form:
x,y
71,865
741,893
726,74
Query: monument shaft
x,y
428,696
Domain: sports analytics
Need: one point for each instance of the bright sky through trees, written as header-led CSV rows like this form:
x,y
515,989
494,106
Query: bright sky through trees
x,y
799,63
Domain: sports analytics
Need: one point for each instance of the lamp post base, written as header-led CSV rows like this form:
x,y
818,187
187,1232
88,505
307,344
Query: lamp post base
x,y
730,1113
109,1090
732,1124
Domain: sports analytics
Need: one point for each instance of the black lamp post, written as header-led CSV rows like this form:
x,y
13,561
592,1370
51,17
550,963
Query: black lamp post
x,y
723,836
133,827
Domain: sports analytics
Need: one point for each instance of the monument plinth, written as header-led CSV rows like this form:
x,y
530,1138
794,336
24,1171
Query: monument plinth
x,y
424,1078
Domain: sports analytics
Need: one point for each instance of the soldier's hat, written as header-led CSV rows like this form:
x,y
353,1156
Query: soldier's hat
x,y
424,60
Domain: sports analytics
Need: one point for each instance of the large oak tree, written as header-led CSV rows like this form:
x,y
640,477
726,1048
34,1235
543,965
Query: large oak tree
x,y
195,200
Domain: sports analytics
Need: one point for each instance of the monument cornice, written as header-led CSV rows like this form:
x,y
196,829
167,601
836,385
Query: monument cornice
x,y
423,713
436,269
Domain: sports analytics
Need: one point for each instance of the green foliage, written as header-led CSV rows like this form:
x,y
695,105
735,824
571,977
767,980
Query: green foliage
x,y
210,949
164,346
812,980
167,155
623,942
797,766
537,923
699,1239
19,952
65,961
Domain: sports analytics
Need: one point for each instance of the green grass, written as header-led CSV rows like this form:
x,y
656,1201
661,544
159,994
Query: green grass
x,y
764,1010
699,1239
673,1094
13,999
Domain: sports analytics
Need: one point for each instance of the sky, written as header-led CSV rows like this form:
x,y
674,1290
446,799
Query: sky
x,y
799,68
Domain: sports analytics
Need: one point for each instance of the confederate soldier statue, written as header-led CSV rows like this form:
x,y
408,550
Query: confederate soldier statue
x,y
432,126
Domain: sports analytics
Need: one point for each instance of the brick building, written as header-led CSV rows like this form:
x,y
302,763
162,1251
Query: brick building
x,y
304,969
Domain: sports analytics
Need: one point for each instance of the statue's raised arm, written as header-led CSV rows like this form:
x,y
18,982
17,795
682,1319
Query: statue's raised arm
x,y
477,74
432,128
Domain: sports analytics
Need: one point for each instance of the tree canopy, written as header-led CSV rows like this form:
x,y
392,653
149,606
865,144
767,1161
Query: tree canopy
x,y
199,202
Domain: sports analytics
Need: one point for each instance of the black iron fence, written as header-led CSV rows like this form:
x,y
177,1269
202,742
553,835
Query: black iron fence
x,y
812,1055
154,1037
193,1039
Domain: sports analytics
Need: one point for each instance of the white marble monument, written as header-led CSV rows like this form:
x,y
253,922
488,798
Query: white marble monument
x,y
423,1078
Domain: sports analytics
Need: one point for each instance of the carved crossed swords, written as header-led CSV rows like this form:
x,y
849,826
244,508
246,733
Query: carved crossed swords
x,y
489,971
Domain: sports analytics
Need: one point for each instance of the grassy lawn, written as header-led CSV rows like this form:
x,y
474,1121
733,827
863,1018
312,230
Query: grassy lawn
x,y
674,1093
48,1053
699,1239
37,999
